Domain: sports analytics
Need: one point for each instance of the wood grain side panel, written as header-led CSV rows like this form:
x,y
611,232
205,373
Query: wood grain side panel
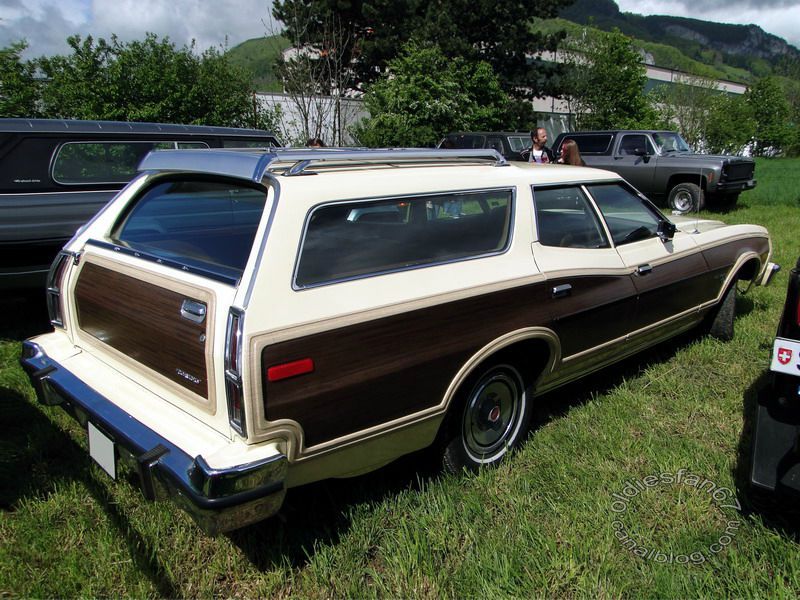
x,y
143,321
373,372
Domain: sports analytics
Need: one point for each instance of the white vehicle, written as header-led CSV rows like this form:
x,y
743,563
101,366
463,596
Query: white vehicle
x,y
236,323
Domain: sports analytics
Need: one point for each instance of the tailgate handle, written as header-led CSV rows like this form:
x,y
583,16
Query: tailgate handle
x,y
193,311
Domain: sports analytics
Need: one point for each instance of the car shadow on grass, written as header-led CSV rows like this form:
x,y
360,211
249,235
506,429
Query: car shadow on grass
x,y
23,314
319,514
37,457
779,512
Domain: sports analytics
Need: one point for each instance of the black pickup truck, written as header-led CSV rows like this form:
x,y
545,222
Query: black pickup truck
x,y
662,166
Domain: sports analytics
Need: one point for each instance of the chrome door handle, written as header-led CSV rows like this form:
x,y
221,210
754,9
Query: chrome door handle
x,y
193,311
644,269
562,291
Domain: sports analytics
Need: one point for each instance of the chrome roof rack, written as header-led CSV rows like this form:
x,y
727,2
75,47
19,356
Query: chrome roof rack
x,y
293,161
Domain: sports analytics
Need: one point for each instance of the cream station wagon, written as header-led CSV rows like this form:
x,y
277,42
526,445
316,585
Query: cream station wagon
x,y
233,324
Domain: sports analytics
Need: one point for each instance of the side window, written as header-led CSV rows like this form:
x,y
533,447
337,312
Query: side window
x,y
566,219
631,144
519,143
591,143
357,239
98,162
627,217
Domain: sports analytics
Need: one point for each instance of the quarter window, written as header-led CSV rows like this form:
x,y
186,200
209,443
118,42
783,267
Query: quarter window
x,y
348,240
565,218
592,143
627,217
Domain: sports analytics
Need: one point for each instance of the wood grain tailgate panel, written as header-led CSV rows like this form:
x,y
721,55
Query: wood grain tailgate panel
x,y
143,321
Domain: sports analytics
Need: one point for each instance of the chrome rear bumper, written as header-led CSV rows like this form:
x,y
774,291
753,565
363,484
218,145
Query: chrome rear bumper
x,y
218,499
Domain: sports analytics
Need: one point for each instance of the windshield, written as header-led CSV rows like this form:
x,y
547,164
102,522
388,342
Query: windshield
x,y
670,142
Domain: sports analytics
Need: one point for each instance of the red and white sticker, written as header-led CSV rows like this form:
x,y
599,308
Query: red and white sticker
x,y
785,355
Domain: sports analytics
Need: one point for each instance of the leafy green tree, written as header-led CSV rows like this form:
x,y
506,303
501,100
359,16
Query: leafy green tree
x,y
18,88
730,125
494,31
146,80
605,84
771,112
686,103
427,95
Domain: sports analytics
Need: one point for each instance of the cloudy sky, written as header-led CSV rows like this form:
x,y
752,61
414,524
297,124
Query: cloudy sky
x,y
45,24
779,17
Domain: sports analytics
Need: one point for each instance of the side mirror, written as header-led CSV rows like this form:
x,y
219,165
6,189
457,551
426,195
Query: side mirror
x,y
666,231
640,151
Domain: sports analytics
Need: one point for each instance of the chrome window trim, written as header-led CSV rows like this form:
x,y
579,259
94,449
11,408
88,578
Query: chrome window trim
x,y
400,198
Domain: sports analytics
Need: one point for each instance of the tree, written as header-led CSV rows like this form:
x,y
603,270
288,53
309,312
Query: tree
x,y
686,103
605,83
427,95
18,88
729,125
146,80
770,109
495,31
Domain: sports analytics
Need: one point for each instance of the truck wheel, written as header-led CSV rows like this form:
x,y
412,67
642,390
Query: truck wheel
x,y
686,197
489,419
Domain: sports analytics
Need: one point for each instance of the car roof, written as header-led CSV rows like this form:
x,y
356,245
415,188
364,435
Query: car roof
x,y
406,168
121,127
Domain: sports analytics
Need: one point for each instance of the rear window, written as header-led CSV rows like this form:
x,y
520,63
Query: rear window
x,y
204,224
591,143
349,240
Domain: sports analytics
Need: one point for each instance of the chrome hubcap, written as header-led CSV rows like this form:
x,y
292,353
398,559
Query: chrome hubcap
x,y
682,202
492,413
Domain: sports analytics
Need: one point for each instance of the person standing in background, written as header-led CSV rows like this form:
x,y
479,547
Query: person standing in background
x,y
540,153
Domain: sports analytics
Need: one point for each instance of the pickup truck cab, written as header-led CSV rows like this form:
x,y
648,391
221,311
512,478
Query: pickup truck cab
x,y
662,166
54,175
233,324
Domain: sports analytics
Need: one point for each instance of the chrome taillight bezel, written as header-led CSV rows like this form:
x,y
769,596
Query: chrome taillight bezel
x,y
55,281
234,392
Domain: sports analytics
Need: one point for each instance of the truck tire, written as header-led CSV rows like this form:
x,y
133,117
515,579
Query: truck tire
x,y
686,197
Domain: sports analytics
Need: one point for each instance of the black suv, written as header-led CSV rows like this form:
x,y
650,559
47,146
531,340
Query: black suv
x,y
514,145
55,175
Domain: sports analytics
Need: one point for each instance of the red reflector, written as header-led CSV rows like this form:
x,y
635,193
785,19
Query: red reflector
x,y
291,369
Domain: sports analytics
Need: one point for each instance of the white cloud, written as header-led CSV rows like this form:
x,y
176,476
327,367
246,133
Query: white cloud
x,y
46,24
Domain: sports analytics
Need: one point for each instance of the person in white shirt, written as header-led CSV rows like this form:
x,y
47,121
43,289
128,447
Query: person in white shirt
x,y
540,153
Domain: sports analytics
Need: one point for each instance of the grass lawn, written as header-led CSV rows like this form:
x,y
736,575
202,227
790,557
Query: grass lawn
x,y
629,486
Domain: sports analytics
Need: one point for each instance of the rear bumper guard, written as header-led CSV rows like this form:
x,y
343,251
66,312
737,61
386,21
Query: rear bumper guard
x,y
218,499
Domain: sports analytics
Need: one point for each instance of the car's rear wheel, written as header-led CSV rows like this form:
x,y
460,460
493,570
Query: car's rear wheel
x,y
491,418
686,197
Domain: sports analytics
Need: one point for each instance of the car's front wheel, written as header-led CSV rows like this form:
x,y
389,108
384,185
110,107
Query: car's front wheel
x,y
686,197
491,418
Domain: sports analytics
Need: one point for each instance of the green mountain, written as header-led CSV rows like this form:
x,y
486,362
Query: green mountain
x,y
739,52
258,56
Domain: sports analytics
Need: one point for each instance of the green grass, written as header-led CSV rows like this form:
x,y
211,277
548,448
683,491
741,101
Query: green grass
x,y
543,524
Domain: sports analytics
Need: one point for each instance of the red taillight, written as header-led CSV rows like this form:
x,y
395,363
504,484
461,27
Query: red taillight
x,y
233,373
55,280
290,369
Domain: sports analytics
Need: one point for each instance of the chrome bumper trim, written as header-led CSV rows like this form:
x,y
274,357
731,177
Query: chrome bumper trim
x,y
218,499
